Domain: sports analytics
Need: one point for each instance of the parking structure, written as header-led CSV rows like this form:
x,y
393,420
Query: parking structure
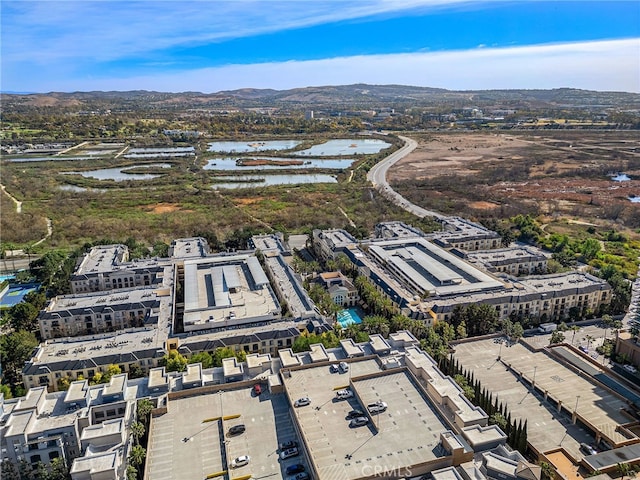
x,y
192,439
406,434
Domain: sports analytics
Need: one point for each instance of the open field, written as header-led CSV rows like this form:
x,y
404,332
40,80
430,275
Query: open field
x,y
559,174
562,176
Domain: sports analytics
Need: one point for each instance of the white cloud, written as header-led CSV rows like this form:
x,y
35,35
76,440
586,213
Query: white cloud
x,y
604,65
47,31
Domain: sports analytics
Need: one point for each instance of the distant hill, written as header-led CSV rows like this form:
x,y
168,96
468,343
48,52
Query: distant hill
x,y
359,95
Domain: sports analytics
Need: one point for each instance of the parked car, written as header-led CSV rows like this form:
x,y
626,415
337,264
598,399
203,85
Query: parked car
x,y
343,394
587,449
299,476
240,461
257,389
630,368
344,367
237,429
355,414
288,453
358,422
377,407
287,445
295,468
333,368
301,402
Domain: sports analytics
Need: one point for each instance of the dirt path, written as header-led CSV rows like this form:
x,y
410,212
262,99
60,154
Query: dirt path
x,y
347,217
70,148
14,199
49,232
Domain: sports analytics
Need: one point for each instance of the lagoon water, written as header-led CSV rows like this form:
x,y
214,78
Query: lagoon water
x,y
635,199
255,146
346,147
120,174
229,164
253,181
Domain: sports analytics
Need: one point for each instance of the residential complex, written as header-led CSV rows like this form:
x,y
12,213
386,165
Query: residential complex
x,y
426,281
131,313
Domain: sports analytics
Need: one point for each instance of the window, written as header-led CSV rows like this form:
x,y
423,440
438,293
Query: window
x,y
53,455
99,414
35,458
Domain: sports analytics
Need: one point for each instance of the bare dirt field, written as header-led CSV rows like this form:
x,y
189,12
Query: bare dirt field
x,y
554,173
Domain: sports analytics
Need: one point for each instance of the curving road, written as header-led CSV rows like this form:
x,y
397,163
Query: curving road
x,y
378,177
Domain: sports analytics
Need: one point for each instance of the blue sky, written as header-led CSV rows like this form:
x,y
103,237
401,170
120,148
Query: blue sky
x,y
210,46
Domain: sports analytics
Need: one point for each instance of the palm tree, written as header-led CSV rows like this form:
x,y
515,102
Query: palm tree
x,y
623,468
548,471
137,456
144,410
137,430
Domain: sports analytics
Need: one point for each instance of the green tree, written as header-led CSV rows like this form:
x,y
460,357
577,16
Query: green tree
x,y
461,331
517,332
15,349
132,473
5,390
137,456
58,470
137,430
556,337
143,411
23,316
174,362
498,419
623,469
135,371
202,357
9,470
548,472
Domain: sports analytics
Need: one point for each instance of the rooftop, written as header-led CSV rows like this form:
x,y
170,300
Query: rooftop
x,y
225,291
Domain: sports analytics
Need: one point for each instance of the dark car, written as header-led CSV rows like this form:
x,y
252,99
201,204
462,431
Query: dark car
x,y
358,422
295,468
237,429
355,414
288,445
299,476
333,368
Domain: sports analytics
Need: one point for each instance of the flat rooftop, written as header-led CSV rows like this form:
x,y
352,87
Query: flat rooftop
x,y
298,301
547,428
430,268
194,247
226,291
190,440
392,435
500,256
103,258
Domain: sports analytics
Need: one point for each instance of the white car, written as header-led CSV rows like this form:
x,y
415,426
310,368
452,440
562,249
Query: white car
x,y
240,461
288,453
344,367
344,394
301,402
377,407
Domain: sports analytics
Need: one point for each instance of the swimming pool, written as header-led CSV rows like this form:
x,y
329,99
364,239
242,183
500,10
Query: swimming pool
x,y
16,293
348,317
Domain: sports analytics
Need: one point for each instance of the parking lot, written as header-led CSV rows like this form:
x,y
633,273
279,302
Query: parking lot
x,y
189,441
406,434
547,428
